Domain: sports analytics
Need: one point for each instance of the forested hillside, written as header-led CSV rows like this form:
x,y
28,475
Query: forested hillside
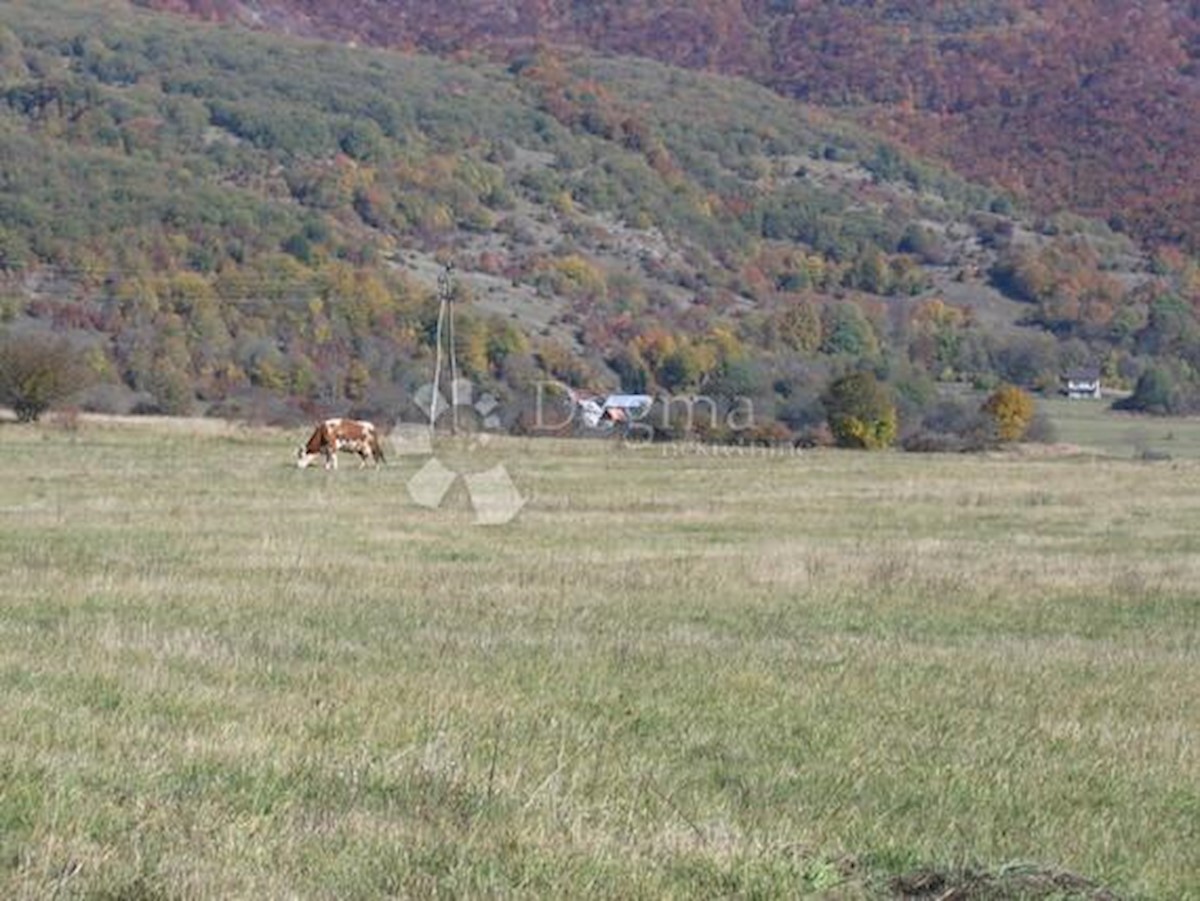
x,y
1092,105
251,224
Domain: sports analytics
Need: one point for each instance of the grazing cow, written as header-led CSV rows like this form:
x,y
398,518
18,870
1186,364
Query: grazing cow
x,y
333,435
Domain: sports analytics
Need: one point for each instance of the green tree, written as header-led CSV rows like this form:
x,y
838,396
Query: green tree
x,y
504,339
1159,390
848,331
860,411
358,380
799,327
171,387
36,372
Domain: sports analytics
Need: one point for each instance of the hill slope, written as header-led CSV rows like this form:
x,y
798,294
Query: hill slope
x,y
1091,105
256,223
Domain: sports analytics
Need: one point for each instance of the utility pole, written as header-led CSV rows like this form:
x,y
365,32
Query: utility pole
x,y
445,322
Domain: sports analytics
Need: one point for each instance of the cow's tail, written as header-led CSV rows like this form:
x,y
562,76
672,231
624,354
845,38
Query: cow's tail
x,y
377,447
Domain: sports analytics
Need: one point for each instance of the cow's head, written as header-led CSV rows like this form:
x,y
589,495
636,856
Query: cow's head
x,y
303,457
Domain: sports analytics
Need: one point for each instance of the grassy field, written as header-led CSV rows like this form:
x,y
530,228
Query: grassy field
x,y
674,674
1095,425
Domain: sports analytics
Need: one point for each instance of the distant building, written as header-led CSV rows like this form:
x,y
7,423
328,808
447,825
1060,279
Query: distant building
x,y
1082,383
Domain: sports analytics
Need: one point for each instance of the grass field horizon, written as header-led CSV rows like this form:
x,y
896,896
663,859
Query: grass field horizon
x,y
674,674
1097,428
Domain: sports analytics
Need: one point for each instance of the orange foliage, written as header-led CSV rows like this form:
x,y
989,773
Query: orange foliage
x,y
1082,103
1011,409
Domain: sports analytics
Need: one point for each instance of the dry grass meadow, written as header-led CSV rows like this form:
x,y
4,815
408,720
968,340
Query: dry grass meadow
x,y
674,674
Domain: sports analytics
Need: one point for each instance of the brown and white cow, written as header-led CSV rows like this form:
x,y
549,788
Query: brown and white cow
x,y
354,435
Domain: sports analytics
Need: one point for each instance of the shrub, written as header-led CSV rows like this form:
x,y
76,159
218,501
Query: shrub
x,y
924,441
950,426
37,372
1042,430
1159,390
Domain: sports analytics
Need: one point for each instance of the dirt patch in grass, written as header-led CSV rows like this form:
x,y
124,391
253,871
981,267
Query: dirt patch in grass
x,y
1009,884
1032,449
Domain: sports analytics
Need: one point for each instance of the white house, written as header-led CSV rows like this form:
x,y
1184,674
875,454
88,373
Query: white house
x,y
1081,383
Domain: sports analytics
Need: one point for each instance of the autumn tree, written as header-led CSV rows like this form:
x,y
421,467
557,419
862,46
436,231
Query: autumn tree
x,y
1011,410
799,326
936,330
860,411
